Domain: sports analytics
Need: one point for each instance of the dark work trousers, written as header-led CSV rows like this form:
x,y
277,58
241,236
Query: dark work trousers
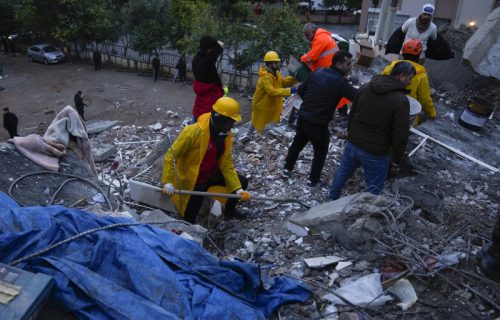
x,y
80,112
320,139
495,239
12,132
194,204
156,72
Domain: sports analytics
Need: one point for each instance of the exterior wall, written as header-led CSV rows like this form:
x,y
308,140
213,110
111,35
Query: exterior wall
x,y
457,11
477,11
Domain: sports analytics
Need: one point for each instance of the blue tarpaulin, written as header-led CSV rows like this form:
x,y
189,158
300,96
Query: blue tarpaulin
x,y
137,272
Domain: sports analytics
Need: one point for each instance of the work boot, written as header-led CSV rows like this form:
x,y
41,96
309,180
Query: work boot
x,y
286,174
317,184
488,264
241,214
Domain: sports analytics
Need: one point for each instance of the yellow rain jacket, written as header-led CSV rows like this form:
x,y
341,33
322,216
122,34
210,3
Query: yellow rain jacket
x,y
188,152
419,87
267,101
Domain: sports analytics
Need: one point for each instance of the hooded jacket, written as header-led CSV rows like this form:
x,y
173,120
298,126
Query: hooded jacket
x,y
323,47
267,101
419,87
379,117
181,164
321,92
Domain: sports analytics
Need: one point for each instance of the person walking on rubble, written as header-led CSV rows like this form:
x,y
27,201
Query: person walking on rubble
x,y
267,101
156,66
321,92
323,47
79,104
10,122
378,126
201,157
419,87
207,84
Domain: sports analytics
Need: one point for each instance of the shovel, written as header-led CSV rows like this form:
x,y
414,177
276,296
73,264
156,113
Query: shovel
x,y
236,196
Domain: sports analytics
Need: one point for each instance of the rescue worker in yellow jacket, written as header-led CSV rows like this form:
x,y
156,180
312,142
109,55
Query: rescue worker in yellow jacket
x,y
201,157
419,86
323,47
267,101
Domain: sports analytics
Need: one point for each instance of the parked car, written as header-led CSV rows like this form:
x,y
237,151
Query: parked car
x,y
45,53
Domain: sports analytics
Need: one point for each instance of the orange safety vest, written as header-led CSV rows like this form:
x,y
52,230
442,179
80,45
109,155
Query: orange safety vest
x,y
323,47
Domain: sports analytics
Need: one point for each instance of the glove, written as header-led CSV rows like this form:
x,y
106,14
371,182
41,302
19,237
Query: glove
x,y
293,90
226,90
245,196
168,189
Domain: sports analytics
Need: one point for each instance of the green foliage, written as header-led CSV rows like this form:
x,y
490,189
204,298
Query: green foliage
x,y
7,18
280,30
91,20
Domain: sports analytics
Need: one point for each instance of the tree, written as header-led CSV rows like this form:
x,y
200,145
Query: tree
x,y
280,30
7,26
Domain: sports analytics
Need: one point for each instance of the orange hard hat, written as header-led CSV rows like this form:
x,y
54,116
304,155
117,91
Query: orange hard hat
x,y
412,46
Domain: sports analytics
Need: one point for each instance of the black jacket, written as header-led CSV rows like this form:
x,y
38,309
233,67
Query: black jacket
x,y
438,49
321,92
379,118
156,63
9,120
204,68
79,102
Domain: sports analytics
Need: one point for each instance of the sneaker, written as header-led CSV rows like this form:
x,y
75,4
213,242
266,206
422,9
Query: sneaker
x,y
286,174
317,184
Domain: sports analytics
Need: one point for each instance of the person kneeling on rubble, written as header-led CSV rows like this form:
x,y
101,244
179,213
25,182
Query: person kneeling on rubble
x,y
201,157
419,87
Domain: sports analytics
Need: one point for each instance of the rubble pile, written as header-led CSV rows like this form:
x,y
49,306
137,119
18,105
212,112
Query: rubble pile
x,y
456,37
430,238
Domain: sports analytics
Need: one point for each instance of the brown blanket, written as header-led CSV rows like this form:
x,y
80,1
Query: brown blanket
x,y
46,150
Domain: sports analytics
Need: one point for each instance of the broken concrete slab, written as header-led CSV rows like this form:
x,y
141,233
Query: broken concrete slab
x,y
483,48
323,217
103,151
321,262
96,126
197,232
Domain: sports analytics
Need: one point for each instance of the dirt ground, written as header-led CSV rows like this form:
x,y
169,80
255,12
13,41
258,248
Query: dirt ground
x,y
35,92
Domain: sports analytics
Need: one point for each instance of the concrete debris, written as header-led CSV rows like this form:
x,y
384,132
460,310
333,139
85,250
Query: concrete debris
x,y
103,151
448,207
482,50
404,290
97,126
321,262
196,232
366,291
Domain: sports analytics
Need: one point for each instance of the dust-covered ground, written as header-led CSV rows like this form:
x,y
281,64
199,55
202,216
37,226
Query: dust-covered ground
x,y
35,91
447,209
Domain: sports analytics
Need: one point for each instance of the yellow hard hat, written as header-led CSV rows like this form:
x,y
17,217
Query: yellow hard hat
x,y
271,56
228,107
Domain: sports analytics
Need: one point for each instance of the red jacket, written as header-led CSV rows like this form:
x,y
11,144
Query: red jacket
x,y
206,96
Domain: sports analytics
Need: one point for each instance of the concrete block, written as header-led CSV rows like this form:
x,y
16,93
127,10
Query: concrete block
x,y
103,151
150,195
321,262
482,49
96,126
321,217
